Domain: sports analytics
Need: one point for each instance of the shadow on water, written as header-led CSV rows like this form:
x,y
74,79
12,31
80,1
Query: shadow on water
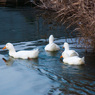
x,y
28,28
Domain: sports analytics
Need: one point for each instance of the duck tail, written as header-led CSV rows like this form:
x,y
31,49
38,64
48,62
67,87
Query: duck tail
x,y
37,50
83,60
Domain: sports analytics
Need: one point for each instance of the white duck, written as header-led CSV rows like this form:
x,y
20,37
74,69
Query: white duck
x,y
75,60
67,52
52,46
21,54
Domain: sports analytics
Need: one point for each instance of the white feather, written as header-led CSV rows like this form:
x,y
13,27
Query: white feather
x,y
67,52
75,60
52,46
22,54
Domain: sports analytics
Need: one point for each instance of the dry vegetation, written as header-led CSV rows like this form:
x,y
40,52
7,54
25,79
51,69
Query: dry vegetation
x,y
80,13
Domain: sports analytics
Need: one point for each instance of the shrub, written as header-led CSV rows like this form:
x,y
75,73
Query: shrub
x,y
80,13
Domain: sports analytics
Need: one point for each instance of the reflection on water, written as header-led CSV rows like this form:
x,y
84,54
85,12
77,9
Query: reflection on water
x,y
52,53
46,75
24,24
8,62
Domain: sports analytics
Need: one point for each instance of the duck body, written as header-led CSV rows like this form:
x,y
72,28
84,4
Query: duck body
x,y
25,54
52,46
67,52
21,54
75,60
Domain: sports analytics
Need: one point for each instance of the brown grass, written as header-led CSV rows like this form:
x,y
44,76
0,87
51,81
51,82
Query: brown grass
x,y
80,13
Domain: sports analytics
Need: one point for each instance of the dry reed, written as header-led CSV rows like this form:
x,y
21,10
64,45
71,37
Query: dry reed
x,y
80,13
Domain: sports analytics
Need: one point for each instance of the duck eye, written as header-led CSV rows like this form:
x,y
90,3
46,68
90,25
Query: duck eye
x,y
7,45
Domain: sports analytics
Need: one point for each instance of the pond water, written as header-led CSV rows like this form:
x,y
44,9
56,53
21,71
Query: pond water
x,y
47,75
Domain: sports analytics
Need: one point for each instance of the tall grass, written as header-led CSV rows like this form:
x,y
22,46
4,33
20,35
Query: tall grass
x,y
80,13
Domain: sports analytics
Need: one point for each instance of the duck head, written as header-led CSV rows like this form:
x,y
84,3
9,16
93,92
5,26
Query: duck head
x,y
66,46
51,39
9,46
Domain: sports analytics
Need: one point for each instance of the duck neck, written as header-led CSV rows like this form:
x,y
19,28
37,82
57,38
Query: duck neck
x,y
12,51
66,48
50,41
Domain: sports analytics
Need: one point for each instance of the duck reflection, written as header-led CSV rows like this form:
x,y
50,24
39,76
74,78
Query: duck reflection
x,y
35,60
8,62
54,53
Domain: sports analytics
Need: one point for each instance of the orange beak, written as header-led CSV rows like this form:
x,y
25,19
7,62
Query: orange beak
x,y
63,47
4,48
61,56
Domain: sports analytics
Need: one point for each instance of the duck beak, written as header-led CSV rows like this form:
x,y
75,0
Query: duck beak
x,y
4,48
61,56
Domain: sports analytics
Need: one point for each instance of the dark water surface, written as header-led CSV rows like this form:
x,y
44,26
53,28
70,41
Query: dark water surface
x,y
47,75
